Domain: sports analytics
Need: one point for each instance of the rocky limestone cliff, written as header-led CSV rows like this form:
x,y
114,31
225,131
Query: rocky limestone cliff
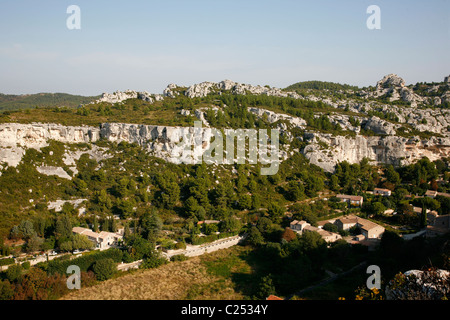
x,y
326,150
323,150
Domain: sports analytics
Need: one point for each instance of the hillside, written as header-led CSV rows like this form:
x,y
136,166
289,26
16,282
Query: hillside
x,y
141,163
31,101
319,85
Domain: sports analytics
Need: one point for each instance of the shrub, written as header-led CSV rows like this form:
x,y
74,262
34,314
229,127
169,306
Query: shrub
x,y
14,273
84,262
104,269
179,257
180,245
5,262
153,262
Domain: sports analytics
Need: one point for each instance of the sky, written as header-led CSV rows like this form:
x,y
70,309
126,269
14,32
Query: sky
x,y
145,45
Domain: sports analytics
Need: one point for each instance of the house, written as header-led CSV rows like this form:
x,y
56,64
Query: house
x,y
443,194
369,229
302,226
101,240
431,193
345,223
355,201
298,225
326,235
208,222
438,225
383,192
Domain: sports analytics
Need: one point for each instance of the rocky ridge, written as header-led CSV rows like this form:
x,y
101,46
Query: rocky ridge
x,y
324,150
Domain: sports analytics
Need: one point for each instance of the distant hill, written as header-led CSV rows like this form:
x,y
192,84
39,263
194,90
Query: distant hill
x,y
319,85
14,102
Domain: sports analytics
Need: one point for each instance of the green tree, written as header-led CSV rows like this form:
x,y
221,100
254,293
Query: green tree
x,y
255,237
378,208
151,225
230,224
26,229
34,243
104,269
81,242
392,176
276,212
63,228
294,190
266,287
245,201
14,273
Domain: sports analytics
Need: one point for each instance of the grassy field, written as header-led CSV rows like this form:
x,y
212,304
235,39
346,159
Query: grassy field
x,y
211,276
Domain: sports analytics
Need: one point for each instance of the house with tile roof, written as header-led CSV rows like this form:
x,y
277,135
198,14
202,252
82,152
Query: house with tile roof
x,y
368,228
381,191
303,226
102,240
355,201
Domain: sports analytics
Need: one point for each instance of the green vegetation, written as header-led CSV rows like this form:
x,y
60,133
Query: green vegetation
x,y
30,101
320,85
163,205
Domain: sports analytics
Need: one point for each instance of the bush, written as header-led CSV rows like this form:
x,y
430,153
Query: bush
x,y
153,262
14,273
179,257
5,262
26,265
180,245
84,262
104,269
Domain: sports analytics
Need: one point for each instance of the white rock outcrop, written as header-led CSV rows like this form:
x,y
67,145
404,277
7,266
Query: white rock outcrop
x,y
326,150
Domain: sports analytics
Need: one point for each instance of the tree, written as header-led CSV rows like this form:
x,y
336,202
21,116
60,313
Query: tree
x,y
230,224
264,225
104,269
255,237
139,247
311,241
95,224
151,225
294,190
170,195
26,229
288,235
245,201
34,243
266,287
191,206
15,233
63,229
14,273
125,207
66,246
275,211
378,208
334,183
6,290
423,217
81,242
330,227
392,176
121,188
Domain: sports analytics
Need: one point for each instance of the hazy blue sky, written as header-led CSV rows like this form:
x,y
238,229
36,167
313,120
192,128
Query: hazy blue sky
x,y
145,45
